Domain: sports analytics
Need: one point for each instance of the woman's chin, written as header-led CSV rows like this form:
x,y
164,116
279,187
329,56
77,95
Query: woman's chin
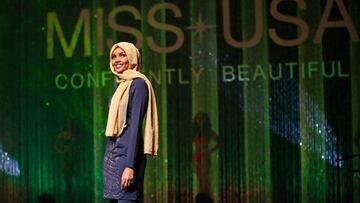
x,y
120,70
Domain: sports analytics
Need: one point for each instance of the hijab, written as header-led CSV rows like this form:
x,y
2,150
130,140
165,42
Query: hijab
x,y
120,99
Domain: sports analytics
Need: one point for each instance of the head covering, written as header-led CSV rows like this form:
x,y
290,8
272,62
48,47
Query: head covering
x,y
119,102
132,54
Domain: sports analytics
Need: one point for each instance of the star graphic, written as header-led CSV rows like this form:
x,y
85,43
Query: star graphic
x,y
200,27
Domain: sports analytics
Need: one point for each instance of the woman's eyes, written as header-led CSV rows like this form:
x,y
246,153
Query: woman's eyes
x,y
120,55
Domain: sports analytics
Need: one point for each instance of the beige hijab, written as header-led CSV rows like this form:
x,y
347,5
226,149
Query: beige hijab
x,y
119,102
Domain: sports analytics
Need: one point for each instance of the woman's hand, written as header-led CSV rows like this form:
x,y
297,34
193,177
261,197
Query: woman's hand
x,y
127,178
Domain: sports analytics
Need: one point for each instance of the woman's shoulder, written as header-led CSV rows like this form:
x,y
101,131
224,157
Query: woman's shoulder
x,y
139,84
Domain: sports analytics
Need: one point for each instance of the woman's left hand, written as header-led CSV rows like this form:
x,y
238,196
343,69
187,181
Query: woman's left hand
x,y
127,178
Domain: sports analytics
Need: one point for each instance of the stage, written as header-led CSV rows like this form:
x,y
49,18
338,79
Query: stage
x,y
258,101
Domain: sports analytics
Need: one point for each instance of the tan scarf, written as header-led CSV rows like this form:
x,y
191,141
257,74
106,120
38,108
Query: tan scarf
x,y
119,102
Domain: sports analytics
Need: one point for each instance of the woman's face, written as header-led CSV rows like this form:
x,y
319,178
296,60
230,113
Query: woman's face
x,y
200,120
119,60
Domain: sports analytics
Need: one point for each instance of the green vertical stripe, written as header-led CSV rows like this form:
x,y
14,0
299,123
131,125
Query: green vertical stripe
x,y
313,178
256,106
156,176
100,95
205,88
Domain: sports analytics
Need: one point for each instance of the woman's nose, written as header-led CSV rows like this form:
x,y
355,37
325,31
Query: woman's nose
x,y
117,59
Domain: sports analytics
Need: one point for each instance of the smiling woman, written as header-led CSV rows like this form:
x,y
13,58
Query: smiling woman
x,y
119,60
125,160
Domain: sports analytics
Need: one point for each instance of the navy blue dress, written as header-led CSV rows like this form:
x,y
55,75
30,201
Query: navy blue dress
x,y
127,150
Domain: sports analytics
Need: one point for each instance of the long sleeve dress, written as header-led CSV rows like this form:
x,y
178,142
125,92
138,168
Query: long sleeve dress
x,y
127,150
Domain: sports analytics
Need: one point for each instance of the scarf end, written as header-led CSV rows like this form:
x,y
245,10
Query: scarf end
x,y
151,153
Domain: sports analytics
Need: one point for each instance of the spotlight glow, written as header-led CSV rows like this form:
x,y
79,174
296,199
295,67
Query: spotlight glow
x,y
8,165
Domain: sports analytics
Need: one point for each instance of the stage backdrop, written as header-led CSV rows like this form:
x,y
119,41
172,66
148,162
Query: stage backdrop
x,y
258,100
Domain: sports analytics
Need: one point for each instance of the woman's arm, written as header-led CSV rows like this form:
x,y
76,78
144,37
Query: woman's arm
x,y
139,101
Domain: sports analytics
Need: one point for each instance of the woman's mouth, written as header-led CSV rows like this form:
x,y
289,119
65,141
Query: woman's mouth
x,y
118,65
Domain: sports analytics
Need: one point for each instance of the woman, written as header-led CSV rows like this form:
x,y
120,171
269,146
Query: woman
x,y
202,140
125,160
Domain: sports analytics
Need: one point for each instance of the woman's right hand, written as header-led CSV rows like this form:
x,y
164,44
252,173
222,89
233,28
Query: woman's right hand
x,y
127,178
